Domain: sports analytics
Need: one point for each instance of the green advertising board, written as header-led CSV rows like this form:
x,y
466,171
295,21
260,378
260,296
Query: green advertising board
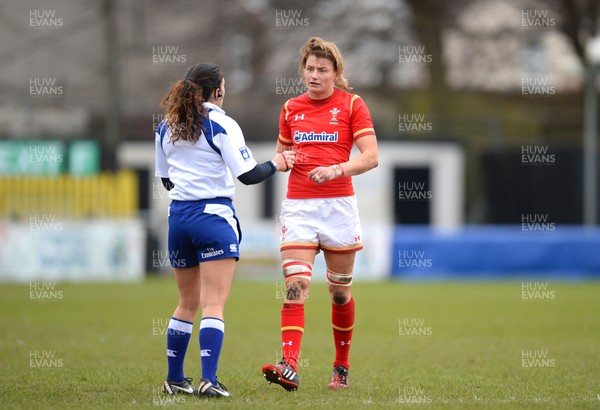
x,y
48,158
84,158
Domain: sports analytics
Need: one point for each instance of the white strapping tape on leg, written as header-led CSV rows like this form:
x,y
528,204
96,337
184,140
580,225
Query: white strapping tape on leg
x,y
339,279
297,268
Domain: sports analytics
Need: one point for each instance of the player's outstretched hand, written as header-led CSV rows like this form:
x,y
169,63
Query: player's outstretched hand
x,y
285,160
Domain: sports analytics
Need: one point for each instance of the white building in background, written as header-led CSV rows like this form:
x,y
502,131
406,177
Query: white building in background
x,y
498,44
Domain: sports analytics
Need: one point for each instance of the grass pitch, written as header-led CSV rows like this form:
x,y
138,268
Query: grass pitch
x,y
430,345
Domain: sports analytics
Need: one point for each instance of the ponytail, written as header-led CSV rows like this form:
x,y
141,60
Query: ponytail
x,y
183,104
184,111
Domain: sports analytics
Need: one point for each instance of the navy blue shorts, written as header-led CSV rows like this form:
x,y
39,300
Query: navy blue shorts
x,y
201,231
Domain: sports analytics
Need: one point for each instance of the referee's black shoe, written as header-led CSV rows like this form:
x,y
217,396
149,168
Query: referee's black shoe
x,y
207,389
184,386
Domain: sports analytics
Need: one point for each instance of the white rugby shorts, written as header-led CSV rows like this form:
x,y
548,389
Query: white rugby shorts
x,y
330,224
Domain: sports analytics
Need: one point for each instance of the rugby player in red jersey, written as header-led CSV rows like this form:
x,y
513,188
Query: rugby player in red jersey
x,y
320,211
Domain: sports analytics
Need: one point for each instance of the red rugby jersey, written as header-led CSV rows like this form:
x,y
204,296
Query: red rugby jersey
x,y
322,133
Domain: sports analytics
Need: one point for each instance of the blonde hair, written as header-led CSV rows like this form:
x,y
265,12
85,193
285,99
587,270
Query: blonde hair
x,y
316,46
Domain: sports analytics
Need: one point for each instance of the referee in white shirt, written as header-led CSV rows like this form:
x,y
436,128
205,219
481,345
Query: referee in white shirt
x,y
198,147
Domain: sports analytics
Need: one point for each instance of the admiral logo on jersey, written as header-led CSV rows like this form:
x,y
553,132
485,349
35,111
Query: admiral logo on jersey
x,y
300,137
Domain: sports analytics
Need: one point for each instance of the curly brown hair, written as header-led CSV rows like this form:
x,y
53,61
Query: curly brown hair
x,y
183,107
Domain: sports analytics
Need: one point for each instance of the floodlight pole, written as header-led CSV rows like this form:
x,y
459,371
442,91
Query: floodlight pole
x,y
589,147
590,134
113,115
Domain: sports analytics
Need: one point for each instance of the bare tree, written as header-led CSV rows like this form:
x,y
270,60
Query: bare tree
x,y
579,21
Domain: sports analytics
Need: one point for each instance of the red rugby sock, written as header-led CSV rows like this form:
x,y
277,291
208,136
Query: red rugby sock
x,y
342,320
292,329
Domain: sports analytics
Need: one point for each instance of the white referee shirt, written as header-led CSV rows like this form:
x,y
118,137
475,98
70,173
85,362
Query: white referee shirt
x,y
203,170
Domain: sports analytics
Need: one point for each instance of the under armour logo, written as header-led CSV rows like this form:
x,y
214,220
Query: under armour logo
x,y
171,353
345,343
357,238
287,343
298,117
205,353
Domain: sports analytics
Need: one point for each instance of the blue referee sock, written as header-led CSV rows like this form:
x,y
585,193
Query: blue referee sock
x,y
178,337
212,331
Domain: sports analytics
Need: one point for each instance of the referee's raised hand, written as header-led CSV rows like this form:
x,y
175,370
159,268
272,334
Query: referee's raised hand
x,y
285,160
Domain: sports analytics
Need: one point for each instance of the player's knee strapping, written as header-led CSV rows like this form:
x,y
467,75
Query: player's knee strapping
x,y
297,268
339,279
